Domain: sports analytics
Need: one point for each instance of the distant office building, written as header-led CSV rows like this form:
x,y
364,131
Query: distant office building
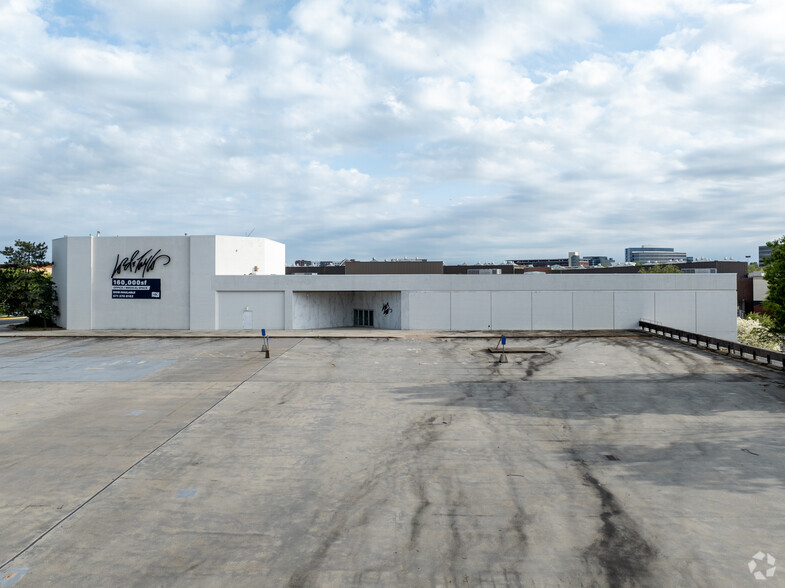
x,y
598,260
763,253
650,254
573,259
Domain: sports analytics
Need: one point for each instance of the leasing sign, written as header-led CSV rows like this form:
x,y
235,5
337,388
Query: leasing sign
x,y
133,287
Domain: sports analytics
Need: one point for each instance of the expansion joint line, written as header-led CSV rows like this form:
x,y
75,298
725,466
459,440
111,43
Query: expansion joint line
x,y
140,460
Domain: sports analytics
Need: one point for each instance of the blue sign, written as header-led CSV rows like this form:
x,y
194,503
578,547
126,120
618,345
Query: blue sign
x,y
504,340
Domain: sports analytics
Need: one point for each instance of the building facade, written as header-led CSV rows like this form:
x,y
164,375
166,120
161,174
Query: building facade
x,y
764,252
651,254
214,282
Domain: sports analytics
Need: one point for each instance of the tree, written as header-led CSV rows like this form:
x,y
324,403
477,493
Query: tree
x,y
660,269
26,255
25,288
774,272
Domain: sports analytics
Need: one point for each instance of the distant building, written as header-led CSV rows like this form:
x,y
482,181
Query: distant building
x,y
562,261
650,254
763,253
405,266
354,267
504,268
598,260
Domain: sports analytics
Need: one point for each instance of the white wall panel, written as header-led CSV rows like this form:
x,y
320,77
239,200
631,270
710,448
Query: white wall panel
x,y
552,310
715,312
676,309
470,311
267,309
511,310
592,310
630,307
429,310
72,272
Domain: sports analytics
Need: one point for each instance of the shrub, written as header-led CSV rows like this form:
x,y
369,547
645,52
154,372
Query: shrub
x,y
756,330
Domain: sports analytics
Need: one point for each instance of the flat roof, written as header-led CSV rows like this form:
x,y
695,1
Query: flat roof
x,y
416,460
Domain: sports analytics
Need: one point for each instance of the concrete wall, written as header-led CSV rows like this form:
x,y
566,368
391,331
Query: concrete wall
x,y
203,311
73,278
266,309
619,301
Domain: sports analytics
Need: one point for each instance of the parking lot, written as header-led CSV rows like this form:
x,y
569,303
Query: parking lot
x,y
421,461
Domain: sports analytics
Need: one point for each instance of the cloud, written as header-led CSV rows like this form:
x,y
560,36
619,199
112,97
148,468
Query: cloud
x,y
464,131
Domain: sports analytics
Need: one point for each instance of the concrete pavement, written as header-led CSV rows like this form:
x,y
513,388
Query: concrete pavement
x,y
414,461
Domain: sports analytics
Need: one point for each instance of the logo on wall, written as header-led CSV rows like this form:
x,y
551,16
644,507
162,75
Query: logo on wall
x,y
139,262
386,309
138,288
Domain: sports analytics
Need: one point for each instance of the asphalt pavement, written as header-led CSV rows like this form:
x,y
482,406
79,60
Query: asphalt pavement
x,y
413,461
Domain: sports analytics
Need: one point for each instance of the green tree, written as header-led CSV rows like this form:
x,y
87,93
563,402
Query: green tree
x,y
26,255
25,288
774,272
660,269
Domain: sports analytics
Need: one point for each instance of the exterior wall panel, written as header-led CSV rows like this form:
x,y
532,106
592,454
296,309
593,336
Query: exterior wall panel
x,y
552,310
266,308
470,311
714,312
429,310
511,310
631,307
676,309
592,310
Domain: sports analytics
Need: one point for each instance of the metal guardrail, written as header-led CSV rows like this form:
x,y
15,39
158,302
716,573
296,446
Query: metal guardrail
x,y
756,354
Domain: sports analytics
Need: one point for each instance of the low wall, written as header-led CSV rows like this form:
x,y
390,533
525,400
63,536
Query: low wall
x,y
704,303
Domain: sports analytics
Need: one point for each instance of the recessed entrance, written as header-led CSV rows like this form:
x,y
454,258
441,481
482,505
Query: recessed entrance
x,y
326,310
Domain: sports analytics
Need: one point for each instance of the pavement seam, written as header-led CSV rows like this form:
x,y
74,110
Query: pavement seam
x,y
140,460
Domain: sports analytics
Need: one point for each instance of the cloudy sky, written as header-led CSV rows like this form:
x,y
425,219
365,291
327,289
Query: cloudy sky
x,y
473,130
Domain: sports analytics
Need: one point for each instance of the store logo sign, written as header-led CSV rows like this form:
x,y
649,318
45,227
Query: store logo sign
x,y
140,262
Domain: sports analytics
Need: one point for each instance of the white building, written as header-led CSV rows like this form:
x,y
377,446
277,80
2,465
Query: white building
x,y
216,282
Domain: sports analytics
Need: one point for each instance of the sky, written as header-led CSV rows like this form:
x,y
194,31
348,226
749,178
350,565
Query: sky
x,y
461,131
